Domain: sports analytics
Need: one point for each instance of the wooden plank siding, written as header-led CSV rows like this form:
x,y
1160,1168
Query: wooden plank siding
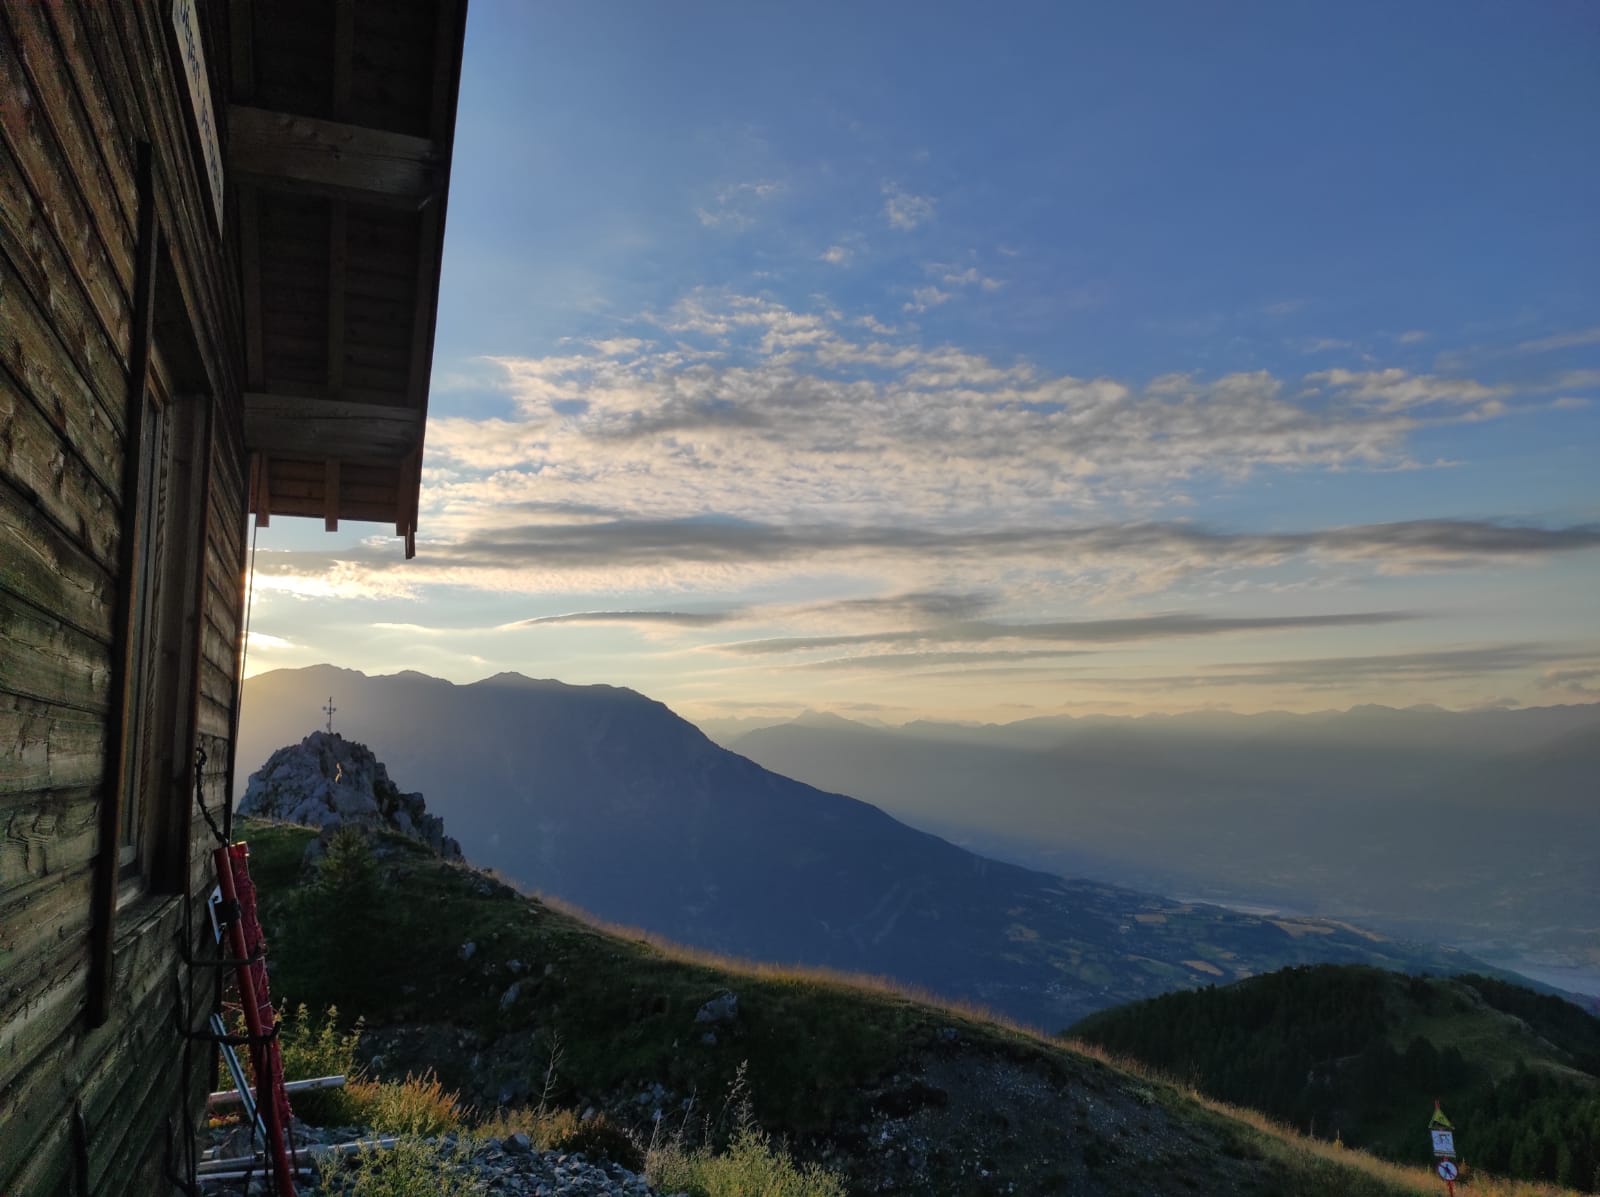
x,y
97,1108
122,293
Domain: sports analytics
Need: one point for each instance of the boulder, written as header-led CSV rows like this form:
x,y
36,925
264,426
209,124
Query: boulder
x,y
722,1008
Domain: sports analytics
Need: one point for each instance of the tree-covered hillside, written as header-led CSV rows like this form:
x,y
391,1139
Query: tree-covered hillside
x,y
1360,1054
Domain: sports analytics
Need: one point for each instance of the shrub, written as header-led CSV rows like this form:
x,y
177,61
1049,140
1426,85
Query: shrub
x,y
598,1138
751,1166
563,1130
342,923
314,1046
415,1106
410,1168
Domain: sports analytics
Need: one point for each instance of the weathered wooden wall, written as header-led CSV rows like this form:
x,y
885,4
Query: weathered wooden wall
x,y
91,1108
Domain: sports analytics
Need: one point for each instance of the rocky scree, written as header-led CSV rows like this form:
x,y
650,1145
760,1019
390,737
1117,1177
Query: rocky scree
x,y
501,1167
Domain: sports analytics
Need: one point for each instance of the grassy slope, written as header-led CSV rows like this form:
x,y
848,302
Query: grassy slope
x,y
826,1056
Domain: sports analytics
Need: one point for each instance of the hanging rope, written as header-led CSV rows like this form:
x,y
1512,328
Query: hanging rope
x,y
200,794
249,607
238,694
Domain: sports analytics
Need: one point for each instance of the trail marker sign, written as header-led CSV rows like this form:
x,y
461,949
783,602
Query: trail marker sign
x,y
1443,1134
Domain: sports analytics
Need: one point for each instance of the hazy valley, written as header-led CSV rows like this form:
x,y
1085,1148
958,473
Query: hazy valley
x,y
1480,828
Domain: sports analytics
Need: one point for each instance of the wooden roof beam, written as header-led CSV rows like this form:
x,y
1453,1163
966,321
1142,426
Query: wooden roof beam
x,y
298,426
344,37
333,158
330,494
241,46
250,268
338,252
261,471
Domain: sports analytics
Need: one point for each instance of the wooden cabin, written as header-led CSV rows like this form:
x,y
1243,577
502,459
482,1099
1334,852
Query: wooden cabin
x,y
220,233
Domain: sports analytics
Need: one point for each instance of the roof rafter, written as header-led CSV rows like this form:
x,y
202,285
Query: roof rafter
x,y
333,158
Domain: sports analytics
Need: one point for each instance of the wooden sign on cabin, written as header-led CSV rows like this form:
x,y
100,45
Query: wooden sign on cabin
x,y
192,58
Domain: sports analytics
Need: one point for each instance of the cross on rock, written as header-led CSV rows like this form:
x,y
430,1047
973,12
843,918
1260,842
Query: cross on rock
x,y
330,709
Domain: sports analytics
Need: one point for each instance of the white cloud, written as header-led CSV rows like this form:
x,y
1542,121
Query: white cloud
x,y
1577,679
617,346
905,211
970,277
924,298
1568,340
261,641
1284,307
310,576
1412,337
1575,380
1396,390
735,205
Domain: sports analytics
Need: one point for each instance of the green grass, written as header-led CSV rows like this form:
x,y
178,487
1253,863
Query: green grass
x,y
623,1007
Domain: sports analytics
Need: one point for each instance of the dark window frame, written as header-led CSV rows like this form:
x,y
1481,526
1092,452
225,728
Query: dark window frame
x,y
156,657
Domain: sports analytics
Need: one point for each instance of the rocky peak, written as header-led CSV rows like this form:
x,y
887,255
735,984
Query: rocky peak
x,y
327,781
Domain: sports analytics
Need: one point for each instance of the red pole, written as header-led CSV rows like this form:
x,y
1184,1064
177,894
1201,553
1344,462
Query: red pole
x,y
271,1102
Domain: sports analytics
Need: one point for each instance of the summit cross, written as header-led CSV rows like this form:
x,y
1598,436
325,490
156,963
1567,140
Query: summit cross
x,y
330,709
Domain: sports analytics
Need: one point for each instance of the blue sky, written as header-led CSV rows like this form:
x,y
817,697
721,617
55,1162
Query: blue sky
x,y
986,361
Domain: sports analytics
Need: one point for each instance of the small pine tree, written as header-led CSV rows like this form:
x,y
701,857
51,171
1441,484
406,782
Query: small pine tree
x,y
348,897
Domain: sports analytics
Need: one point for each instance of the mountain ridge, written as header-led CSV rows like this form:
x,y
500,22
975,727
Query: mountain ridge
x,y
603,797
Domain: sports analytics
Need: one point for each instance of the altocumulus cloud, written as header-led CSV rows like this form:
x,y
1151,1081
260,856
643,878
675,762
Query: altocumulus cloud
x,y
742,406
733,439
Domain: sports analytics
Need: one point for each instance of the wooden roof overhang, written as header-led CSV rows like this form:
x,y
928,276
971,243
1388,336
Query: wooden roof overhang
x,y
339,140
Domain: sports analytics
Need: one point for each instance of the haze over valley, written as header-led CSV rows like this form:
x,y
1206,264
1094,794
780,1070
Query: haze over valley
x,y
1478,828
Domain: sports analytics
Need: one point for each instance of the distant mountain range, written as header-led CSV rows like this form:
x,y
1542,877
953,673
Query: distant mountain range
x,y
1480,828
606,799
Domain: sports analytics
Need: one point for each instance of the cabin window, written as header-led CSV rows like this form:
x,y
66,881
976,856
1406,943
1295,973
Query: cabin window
x,y
165,511
147,529
164,646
